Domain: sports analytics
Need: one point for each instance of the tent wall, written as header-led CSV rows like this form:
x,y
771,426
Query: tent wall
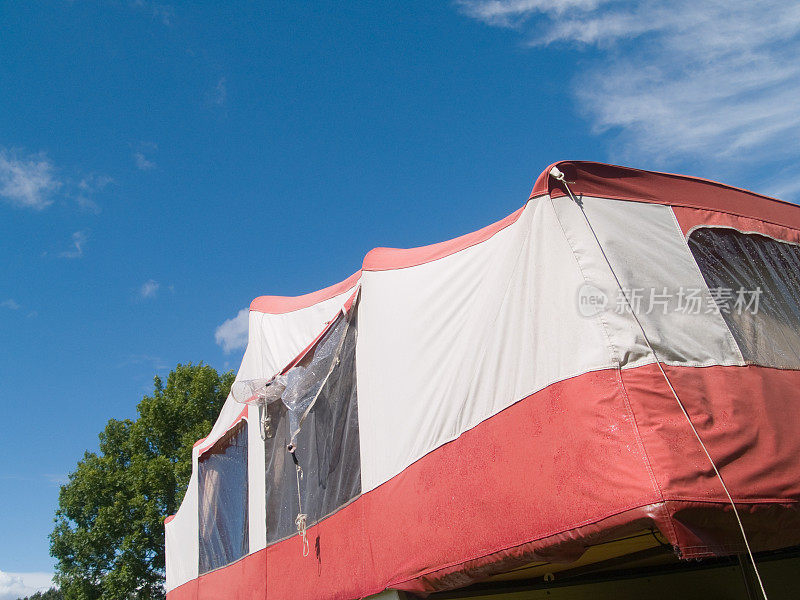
x,y
450,343
182,544
503,420
274,339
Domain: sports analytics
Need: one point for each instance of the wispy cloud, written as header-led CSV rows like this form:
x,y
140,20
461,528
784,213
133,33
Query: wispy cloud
x,y
58,479
784,185
162,12
149,289
219,94
18,585
711,81
514,13
87,187
76,250
27,181
33,181
142,156
12,304
232,334
142,162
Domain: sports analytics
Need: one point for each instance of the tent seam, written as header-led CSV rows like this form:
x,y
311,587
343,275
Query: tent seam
x,y
622,389
604,325
646,456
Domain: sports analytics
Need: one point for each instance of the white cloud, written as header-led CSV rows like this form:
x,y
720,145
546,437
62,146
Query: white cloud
x,y
232,334
28,181
87,187
18,585
142,162
513,13
714,81
219,94
10,304
76,250
162,12
149,289
785,188
88,204
57,478
143,156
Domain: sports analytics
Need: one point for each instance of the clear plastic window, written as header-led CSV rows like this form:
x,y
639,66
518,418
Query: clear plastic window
x,y
755,281
318,415
223,504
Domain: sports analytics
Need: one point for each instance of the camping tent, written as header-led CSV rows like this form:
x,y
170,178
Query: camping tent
x,y
521,393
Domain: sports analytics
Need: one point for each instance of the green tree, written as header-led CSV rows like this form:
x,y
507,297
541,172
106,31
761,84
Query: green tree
x,y
108,538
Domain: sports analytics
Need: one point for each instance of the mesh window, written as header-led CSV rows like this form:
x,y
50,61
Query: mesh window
x,y
755,281
327,445
222,473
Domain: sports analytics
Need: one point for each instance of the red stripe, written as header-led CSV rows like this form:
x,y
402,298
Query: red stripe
x,y
542,185
623,183
384,259
692,218
748,417
566,467
243,580
580,462
284,304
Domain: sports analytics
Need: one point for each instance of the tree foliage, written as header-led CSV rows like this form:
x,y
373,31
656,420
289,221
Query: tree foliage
x,y
109,528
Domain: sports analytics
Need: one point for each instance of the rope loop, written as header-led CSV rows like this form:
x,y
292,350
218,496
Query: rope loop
x,y
300,522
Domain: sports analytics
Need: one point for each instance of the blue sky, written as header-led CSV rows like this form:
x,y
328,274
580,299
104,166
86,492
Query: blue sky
x,y
161,165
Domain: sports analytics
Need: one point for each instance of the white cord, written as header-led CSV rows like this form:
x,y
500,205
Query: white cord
x,y
301,519
557,174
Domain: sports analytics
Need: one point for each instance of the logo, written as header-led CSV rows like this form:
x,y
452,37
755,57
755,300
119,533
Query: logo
x,y
591,300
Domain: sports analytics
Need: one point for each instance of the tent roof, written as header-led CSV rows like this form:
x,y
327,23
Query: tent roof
x,y
624,183
586,178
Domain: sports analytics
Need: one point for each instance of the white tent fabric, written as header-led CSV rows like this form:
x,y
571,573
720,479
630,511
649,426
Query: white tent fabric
x,y
275,339
435,338
181,538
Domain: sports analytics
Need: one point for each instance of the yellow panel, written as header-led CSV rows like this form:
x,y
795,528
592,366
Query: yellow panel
x,y
593,554
781,579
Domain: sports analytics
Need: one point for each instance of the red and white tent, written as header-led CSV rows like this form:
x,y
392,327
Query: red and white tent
x,y
458,410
